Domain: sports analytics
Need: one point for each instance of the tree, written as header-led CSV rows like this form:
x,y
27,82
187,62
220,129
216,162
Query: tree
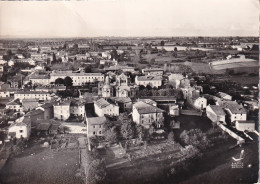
x,y
68,81
162,43
96,172
128,130
59,81
170,137
88,69
140,132
194,137
111,134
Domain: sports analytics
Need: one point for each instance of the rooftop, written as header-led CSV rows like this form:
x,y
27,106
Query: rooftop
x,y
96,120
218,110
149,77
102,103
144,108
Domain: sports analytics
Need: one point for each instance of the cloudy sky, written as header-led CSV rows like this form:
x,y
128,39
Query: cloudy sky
x,y
129,18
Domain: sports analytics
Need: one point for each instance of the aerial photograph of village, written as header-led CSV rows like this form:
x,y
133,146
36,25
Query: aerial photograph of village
x,y
129,92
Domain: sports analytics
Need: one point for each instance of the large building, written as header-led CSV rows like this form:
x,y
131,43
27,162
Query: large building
x,y
147,115
77,78
32,95
153,81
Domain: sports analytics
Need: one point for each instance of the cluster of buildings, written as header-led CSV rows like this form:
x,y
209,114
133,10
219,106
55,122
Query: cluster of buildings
x,y
41,110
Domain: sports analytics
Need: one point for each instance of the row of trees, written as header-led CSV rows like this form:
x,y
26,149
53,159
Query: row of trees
x,y
126,130
67,81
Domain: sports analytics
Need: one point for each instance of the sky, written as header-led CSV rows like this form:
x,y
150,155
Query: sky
x,y
137,18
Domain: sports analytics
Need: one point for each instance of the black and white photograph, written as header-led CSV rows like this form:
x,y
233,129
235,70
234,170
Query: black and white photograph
x,y
129,92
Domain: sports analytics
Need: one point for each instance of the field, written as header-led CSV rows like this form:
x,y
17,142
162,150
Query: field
x,y
42,165
248,64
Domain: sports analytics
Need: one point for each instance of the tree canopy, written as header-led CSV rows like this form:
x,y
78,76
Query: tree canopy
x,y
68,81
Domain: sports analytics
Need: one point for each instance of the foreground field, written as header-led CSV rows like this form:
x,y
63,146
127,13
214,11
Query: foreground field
x,y
41,165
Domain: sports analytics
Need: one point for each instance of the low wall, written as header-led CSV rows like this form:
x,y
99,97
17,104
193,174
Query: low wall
x,y
239,139
191,112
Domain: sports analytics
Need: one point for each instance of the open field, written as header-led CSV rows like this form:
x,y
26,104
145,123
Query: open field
x,y
236,65
41,165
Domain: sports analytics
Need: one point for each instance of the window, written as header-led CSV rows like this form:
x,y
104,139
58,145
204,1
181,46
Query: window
x,y
94,133
100,126
100,132
93,126
21,131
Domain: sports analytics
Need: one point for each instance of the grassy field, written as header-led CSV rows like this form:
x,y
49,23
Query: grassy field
x,y
38,165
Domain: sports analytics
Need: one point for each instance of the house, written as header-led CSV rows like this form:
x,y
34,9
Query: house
x,y
174,110
37,79
147,115
148,101
224,96
15,105
252,105
35,114
103,107
175,79
29,104
15,81
62,110
248,125
48,110
95,126
235,112
153,81
199,103
124,103
20,129
216,113
77,107
43,128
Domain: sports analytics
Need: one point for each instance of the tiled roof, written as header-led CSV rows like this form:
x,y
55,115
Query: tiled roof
x,y
122,99
149,78
102,103
218,110
96,120
144,108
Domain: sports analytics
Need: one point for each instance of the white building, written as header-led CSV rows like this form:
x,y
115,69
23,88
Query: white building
x,y
199,103
77,108
62,110
224,96
103,107
153,81
20,129
147,115
215,113
77,78
15,105
95,126
245,126
175,79
236,112
32,95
